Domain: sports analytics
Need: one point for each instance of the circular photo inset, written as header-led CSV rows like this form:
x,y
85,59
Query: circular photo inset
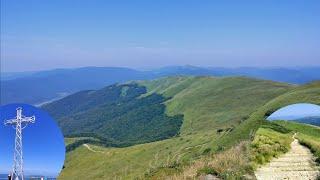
x,y
31,144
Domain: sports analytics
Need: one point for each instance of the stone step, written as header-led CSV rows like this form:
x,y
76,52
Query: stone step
x,y
289,164
298,175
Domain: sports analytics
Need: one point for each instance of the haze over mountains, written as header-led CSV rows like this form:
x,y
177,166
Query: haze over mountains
x,y
42,86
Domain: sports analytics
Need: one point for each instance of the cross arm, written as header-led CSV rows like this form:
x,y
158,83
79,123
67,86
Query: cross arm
x,y
31,119
10,122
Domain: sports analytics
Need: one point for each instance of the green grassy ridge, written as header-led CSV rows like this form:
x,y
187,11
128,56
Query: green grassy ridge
x,y
169,86
210,103
207,103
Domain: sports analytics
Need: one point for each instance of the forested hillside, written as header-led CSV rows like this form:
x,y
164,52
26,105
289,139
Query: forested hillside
x,y
116,113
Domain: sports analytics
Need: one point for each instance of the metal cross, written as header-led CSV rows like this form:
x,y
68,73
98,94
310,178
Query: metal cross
x,y
19,123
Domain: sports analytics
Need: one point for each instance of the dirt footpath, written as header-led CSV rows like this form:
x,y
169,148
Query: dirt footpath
x,y
297,164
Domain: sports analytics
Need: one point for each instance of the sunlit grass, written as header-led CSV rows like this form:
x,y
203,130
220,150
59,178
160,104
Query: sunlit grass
x,y
269,144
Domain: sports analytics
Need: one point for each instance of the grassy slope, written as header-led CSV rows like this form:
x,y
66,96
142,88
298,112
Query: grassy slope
x,y
130,162
309,93
207,103
211,103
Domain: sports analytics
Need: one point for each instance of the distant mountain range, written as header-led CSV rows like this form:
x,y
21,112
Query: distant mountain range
x,y
42,86
288,75
313,120
46,85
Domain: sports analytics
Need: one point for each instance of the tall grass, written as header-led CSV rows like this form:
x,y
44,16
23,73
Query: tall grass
x,y
268,144
233,163
312,143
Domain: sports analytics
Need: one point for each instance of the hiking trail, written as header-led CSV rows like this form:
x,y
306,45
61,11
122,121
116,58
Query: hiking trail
x,y
298,163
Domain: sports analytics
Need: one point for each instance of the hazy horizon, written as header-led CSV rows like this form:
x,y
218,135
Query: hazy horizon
x,y
38,35
155,68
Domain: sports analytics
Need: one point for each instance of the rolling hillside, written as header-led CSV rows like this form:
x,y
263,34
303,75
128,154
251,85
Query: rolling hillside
x,y
215,112
44,86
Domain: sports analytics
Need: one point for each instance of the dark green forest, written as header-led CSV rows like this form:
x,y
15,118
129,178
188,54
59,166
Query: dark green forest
x,y
117,113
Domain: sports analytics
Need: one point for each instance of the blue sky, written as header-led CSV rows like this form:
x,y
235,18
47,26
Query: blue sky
x,y
296,111
44,150
45,34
